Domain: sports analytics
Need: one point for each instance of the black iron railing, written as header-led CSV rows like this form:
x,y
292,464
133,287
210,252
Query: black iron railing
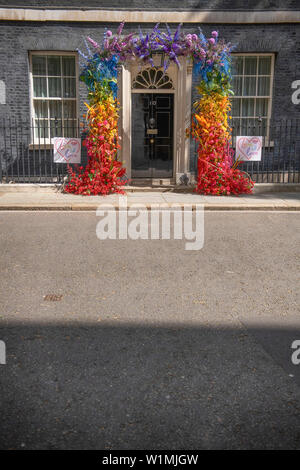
x,y
280,155
26,151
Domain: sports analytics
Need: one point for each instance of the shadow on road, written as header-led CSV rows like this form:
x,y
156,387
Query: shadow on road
x,y
137,387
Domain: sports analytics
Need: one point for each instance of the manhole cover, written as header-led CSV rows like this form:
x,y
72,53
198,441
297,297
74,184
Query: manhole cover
x,y
53,297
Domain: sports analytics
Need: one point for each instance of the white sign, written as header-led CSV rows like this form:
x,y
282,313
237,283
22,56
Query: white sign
x,y
248,149
66,149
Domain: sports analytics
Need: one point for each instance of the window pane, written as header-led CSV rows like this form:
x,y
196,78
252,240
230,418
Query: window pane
x,y
236,124
56,128
70,109
70,128
263,86
41,129
38,65
250,65
54,87
243,129
236,107
261,107
248,126
68,66
264,66
263,125
58,80
40,109
252,126
39,87
237,85
258,127
248,107
237,65
54,65
69,87
55,109
249,86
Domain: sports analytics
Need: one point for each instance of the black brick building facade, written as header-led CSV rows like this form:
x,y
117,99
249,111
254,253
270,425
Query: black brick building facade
x,y
18,38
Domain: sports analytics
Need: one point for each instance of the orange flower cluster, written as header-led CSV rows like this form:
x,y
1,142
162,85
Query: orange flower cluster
x,y
211,130
103,173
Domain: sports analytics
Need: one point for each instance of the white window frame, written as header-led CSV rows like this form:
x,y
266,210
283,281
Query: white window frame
x,y
269,97
41,141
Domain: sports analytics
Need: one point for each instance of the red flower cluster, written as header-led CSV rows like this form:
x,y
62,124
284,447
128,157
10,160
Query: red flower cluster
x,y
100,179
217,176
103,173
210,129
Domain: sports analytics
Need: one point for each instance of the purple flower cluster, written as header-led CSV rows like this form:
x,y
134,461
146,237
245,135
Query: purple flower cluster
x,y
207,52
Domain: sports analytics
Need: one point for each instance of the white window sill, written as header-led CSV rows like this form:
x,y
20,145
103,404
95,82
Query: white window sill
x,y
40,146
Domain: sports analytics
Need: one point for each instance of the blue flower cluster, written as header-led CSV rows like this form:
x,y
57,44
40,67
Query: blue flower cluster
x,y
100,70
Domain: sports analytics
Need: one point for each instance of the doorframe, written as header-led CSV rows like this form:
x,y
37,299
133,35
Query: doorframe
x,y
182,81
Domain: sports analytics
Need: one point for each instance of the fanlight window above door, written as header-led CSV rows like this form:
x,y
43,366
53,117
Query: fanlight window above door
x,y
152,78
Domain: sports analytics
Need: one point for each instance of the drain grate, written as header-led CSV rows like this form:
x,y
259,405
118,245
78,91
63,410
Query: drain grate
x,y
53,297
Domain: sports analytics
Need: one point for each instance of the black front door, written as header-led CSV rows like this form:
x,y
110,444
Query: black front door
x,y
152,135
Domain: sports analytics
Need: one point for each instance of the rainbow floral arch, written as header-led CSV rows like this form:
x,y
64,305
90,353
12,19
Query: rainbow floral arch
x,y
210,127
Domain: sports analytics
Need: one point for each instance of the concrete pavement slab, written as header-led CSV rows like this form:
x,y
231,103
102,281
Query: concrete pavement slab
x,y
273,201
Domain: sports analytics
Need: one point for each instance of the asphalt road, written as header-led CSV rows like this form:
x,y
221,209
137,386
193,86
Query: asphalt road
x,y
150,346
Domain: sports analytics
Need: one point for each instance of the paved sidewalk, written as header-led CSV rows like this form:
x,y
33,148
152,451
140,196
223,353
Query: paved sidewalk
x,y
52,200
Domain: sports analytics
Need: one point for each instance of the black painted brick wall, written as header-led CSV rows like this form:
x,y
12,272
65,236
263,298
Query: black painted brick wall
x,y
18,38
